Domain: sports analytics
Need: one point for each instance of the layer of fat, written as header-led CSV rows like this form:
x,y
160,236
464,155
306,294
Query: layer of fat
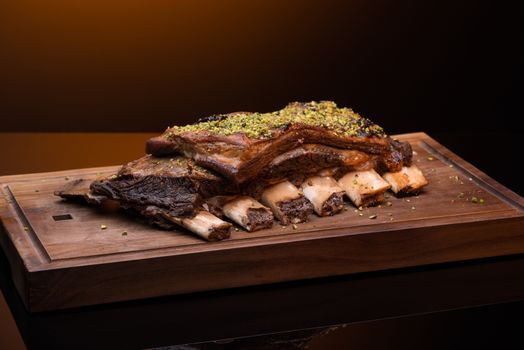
x,y
318,189
408,179
237,210
360,185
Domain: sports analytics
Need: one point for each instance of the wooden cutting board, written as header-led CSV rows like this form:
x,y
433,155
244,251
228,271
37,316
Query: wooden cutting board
x,y
60,257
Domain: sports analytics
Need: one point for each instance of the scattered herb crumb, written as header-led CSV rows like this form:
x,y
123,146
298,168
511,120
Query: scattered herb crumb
x,y
26,228
431,158
360,208
389,204
374,216
124,233
295,226
460,195
103,227
66,178
391,219
477,200
360,214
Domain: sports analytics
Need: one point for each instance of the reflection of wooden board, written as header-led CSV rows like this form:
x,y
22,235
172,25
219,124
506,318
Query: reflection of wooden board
x,y
60,257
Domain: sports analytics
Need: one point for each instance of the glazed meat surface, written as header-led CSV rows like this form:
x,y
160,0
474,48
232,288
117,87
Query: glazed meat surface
x,y
241,145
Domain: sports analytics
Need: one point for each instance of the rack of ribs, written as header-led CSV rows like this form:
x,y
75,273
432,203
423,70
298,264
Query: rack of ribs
x,y
249,168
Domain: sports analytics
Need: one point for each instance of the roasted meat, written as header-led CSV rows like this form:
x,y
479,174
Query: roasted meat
x,y
251,168
176,184
241,145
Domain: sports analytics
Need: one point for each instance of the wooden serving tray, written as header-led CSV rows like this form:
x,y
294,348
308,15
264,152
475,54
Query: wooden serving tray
x,y
60,257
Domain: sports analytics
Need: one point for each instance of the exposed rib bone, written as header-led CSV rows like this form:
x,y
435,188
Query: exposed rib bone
x,y
248,213
204,224
406,181
287,203
364,188
325,194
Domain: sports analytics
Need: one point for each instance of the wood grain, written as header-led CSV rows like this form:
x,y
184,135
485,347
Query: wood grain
x,y
65,263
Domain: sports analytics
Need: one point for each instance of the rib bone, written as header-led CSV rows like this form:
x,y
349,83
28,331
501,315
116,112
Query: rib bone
x,y
325,194
364,188
287,203
407,180
248,213
204,224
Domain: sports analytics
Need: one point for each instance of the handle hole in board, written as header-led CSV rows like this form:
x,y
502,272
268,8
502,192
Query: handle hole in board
x,y
62,217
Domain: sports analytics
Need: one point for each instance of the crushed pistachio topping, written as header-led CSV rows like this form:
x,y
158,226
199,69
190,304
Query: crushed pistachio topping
x,y
326,114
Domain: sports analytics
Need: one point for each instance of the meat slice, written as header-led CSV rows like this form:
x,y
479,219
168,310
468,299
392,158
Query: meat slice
x,y
248,213
176,184
364,188
325,194
406,181
241,145
287,203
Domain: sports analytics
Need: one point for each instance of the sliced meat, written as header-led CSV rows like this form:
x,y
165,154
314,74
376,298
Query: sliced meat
x,y
287,203
248,213
364,188
408,180
325,194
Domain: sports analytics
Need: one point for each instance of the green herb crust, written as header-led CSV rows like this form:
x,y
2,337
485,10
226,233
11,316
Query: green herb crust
x,y
325,114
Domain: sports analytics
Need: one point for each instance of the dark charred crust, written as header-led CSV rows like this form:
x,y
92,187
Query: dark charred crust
x,y
334,204
296,210
212,118
179,195
259,218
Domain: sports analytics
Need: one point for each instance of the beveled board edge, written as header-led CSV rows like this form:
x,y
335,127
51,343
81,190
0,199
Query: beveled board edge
x,y
256,265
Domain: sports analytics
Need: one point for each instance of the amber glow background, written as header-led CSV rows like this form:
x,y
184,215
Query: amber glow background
x,y
450,68
141,65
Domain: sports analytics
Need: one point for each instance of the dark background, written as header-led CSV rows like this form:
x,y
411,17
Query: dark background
x,y
450,68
